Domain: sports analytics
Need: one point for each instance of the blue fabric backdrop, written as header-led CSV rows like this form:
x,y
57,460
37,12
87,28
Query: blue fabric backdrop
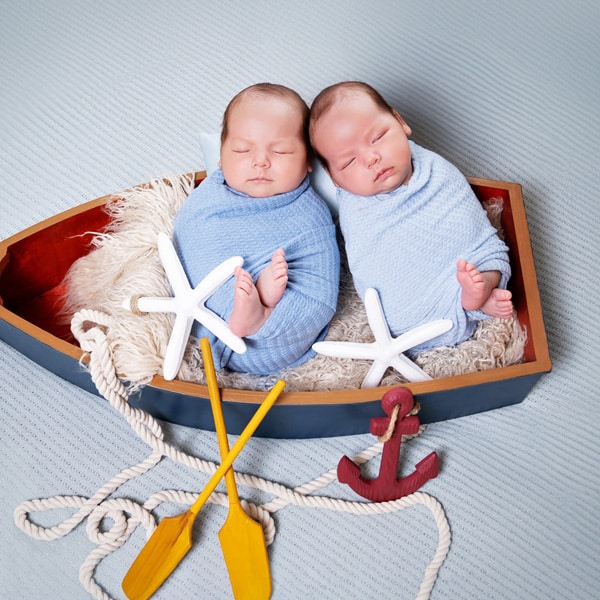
x,y
99,96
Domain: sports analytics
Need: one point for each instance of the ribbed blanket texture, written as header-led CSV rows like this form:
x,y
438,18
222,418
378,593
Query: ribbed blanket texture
x,y
97,97
217,222
405,244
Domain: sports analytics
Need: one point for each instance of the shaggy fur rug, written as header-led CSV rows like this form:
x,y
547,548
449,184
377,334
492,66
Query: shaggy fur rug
x,y
125,263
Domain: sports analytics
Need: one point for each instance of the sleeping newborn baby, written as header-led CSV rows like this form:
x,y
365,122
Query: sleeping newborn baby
x,y
412,226
259,205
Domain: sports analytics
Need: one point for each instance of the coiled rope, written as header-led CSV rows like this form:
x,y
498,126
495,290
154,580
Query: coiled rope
x,y
89,327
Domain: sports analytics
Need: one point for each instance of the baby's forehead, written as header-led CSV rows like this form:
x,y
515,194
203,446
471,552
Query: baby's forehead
x,y
265,109
278,120
350,107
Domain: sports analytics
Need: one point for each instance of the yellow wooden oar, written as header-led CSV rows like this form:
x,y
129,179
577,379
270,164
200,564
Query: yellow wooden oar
x,y
172,538
242,538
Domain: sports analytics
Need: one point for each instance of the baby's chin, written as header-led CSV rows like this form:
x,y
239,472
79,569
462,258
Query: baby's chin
x,y
267,189
259,189
262,193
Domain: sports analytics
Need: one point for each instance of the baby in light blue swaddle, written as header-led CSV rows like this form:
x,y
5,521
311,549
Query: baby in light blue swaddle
x,y
259,204
413,228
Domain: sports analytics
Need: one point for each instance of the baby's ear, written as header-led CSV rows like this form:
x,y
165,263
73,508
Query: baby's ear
x,y
405,126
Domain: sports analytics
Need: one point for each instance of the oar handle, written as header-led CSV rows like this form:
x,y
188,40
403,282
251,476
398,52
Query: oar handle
x,y
227,460
217,410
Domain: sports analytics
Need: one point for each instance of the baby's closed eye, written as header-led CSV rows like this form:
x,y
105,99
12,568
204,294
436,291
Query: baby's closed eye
x,y
379,135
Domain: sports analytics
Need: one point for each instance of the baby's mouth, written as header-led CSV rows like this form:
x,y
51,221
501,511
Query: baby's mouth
x,y
383,174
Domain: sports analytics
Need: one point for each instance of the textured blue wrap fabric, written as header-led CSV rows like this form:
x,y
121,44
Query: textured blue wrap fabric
x,y
217,222
405,244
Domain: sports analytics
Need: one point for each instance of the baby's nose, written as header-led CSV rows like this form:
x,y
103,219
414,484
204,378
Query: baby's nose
x,y
372,159
261,159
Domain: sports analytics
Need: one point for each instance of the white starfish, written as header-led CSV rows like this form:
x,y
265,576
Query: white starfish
x,y
188,304
386,351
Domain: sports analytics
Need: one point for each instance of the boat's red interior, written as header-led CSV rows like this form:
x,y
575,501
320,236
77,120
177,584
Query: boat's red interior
x,y
511,235
33,269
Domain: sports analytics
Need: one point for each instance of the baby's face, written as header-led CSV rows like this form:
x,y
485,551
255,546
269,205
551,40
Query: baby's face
x,y
264,153
366,149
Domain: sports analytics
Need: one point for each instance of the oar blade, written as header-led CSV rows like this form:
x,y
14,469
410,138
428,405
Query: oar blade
x,y
164,550
245,552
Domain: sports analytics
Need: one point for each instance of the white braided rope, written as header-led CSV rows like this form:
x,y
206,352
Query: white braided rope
x,y
126,514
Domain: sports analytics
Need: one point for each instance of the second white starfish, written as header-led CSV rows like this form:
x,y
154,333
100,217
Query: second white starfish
x,y
386,351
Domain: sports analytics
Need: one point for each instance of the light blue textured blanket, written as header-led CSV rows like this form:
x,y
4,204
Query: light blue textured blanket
x,y
217,222
405,244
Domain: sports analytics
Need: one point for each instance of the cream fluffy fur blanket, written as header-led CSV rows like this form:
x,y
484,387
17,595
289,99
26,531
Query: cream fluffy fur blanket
x,y
124,262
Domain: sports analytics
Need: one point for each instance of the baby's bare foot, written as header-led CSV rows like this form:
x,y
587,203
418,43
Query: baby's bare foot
x,y
499,304
273,280
248,314
472,282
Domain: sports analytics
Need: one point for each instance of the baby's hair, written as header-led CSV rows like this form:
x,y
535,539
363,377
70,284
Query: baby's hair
x,y
331,95
271,90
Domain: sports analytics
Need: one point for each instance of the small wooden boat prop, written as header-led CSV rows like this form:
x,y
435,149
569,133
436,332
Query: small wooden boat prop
x,y
34,262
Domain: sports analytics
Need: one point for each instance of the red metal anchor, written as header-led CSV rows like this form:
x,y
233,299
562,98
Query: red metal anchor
x,y
387,486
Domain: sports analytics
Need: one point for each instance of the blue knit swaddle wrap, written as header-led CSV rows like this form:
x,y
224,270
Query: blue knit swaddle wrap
x,y
405,244
216,223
